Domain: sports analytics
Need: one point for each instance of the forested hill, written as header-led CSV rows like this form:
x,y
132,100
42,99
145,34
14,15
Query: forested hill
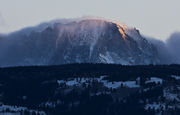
x,y
90,89
114,71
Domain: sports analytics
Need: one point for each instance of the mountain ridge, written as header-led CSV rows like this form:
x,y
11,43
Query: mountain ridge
x,y
81,41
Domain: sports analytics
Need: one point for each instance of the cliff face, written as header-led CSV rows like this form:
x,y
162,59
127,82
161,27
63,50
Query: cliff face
x,y
84,41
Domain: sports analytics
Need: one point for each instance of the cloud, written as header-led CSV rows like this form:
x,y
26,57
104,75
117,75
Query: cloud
x,y
162,49
3,25
2,22
169,50
173,45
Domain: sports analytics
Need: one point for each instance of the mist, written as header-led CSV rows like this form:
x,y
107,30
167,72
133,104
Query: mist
x,y
173,45
169,50
2,22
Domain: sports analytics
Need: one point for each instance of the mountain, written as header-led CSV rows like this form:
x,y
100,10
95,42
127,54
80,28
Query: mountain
x,y
77,41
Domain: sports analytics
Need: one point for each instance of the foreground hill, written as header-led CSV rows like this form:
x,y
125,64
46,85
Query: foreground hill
x,y
90,89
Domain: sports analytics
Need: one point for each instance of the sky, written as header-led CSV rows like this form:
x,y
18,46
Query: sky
x,y
155,18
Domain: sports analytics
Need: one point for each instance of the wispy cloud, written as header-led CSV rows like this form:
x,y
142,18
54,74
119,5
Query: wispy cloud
x,y
2,22
3,25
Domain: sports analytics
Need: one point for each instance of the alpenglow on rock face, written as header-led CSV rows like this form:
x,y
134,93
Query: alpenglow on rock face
x,y
82,41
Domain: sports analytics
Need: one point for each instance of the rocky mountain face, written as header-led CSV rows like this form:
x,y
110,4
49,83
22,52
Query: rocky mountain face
x,y
83,41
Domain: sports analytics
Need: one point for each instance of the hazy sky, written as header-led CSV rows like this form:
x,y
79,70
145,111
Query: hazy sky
x,y
157,18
